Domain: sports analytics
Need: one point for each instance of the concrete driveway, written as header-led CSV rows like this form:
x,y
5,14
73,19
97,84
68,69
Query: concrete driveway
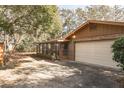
x,y
34,72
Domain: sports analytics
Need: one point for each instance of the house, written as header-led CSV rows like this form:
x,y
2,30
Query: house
x,y
89,43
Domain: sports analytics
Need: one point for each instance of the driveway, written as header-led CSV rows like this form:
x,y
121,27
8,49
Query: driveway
x,y
31,72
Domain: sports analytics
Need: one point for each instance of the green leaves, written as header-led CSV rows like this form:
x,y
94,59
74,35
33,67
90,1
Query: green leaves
x,y
118,45
118,51
37,22
19,19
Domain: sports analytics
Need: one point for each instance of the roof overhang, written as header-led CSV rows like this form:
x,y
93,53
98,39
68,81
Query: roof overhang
x,y
65,38
93,22
53,41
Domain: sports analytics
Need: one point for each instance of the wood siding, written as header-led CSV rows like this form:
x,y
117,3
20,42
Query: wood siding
x,y
95,32
99,30
71,51
61,52
86,32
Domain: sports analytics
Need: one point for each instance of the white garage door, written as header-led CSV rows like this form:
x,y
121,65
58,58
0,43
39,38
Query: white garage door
x,y
95,52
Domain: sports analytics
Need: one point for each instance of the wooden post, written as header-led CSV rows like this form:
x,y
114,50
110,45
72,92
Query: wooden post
x,y
46,49
43,49
58,50
1,53
39,48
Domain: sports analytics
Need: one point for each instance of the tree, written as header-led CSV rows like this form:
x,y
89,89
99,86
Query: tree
x,y
98,12
68,20
38,22
80,16
71,18
118,12
118,51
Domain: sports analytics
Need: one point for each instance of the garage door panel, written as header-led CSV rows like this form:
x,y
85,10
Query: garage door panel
x,y
95,52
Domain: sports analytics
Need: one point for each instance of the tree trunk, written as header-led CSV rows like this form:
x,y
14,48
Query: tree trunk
x,y
17,42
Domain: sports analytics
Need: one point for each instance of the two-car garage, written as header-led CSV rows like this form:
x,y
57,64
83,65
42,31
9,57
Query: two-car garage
x,y
95,52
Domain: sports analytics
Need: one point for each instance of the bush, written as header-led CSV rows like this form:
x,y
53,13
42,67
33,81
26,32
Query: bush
x,y
20,48
118,52
26,45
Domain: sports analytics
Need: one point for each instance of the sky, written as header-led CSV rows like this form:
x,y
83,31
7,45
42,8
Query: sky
x,y
72,6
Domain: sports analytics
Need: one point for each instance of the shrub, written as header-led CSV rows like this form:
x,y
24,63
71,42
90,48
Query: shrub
x,y
26,45
20,48
118,52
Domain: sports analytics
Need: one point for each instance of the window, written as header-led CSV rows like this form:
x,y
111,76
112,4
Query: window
x,y
93,26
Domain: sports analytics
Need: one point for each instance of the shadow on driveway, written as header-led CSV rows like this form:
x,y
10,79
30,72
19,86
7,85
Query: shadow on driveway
x,y
32,71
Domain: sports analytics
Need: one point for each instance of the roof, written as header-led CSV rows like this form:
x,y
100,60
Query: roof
x,y
96,22
64,39
61,40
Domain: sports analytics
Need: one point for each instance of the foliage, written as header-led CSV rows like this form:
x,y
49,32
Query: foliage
x,y
26,45
68,20
20,48
118,51
46,22
72,18
37,22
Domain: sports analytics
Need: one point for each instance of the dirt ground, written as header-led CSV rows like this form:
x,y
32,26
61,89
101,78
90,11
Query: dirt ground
x,y
27,71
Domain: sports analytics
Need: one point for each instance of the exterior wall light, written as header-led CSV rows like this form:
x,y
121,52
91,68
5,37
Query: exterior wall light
x,y
60,40
73,36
